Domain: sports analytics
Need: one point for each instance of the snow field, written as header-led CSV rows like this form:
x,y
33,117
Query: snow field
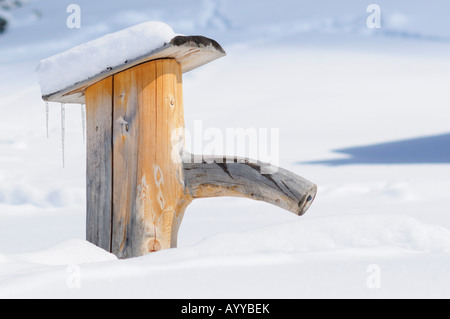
x,y
311,70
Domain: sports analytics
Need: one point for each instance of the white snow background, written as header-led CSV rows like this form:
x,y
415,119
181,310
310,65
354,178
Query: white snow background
x,y
310,68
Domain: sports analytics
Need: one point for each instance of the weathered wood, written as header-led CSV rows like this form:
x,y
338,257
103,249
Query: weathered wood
x,y
240,177
138,187
99,163
190,51
148,198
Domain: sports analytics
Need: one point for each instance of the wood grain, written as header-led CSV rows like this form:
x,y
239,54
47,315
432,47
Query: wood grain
x,y
99,163
148,198
138,187
218,176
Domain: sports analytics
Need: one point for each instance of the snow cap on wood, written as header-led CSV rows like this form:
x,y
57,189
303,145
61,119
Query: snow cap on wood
x,y
64,77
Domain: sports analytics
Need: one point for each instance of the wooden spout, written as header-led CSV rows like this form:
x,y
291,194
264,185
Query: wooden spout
x,y
138,186
240,177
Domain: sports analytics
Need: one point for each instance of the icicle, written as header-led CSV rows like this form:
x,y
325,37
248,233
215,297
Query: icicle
x,y
83,121
47,110
63,130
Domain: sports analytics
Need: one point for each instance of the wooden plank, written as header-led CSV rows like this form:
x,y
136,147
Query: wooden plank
x,y
239,177
170,119
190,51
148,197
125,157
99,163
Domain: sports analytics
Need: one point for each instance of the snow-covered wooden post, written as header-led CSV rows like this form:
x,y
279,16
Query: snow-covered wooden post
x,y
139,179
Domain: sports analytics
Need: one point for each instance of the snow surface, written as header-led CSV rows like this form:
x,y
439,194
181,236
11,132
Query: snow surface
x,y
311,69
91,58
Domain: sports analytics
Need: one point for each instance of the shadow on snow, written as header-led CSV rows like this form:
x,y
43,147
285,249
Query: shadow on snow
x,y
423,150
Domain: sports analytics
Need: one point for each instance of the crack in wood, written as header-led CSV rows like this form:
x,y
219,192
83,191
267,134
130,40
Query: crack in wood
x,y
224,167
270,178
299,199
